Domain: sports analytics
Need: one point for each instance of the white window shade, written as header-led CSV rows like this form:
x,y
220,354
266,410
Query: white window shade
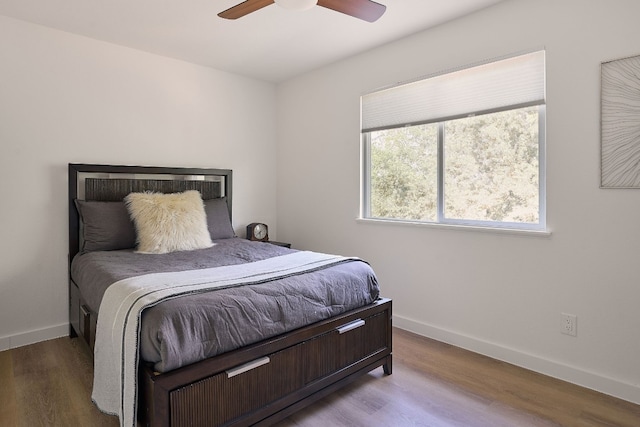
x,y
505,84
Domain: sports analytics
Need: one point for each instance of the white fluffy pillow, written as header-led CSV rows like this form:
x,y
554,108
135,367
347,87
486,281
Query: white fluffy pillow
x,y
169,222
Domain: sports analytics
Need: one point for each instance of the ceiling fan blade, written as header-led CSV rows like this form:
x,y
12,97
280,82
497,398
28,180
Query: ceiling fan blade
x,y
366,10
244,8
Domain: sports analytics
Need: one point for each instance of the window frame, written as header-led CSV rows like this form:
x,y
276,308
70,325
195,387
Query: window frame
x,y
442,220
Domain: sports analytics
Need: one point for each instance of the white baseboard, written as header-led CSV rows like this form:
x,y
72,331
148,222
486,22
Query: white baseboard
x,y
32,337
610,386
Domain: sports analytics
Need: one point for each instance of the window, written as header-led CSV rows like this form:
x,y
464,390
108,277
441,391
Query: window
x,y
465,147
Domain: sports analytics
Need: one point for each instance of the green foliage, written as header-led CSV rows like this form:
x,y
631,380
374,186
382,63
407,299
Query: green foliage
x,y
490,169
404,167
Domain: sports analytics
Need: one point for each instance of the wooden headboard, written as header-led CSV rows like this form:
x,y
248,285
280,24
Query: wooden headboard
x,y
113,183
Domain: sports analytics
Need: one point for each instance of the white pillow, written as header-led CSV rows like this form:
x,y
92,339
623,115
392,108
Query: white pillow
x,y
169,222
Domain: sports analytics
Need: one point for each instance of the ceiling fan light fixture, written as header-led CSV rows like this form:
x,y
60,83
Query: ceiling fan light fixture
x,y
296,4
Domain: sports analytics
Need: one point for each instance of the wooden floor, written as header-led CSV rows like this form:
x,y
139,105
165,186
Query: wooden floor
x,y
433,384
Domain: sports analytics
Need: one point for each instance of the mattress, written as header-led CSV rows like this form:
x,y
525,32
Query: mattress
x,y
185,330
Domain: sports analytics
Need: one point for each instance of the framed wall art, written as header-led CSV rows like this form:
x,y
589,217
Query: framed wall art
x,y
620,123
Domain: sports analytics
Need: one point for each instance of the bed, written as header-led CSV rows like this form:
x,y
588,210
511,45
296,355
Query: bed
x,y
256,365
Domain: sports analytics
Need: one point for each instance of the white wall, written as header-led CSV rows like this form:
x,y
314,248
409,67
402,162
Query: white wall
x,y
498,294
66,98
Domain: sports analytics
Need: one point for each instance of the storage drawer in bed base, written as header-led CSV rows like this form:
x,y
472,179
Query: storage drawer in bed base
x,y
275,377
82,322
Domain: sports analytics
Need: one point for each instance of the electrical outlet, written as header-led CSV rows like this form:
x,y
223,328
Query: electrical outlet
x,y
569,324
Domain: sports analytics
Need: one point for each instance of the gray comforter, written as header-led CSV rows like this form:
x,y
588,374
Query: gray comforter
x,y
191,328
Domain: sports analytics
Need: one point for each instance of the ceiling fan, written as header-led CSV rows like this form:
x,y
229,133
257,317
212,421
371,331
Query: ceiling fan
x,y
366,10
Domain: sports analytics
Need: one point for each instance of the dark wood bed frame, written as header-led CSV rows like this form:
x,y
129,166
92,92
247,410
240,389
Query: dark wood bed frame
x,y
255,385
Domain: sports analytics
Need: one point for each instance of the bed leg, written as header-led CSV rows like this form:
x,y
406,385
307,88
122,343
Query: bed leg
x,y
387,365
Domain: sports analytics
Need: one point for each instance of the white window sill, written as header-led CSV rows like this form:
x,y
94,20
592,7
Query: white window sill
x,y
457,227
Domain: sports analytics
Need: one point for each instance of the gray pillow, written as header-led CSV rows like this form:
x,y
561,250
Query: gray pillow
x,y
218,219
106,226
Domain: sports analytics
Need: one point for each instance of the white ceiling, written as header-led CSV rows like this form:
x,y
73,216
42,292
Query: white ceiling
x,y
272,44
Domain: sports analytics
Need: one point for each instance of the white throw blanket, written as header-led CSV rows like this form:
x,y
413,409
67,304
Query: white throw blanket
x,y
116,348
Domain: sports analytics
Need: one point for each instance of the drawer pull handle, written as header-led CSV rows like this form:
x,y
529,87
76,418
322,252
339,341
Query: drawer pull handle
x,y
247,366
350,326
85,324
